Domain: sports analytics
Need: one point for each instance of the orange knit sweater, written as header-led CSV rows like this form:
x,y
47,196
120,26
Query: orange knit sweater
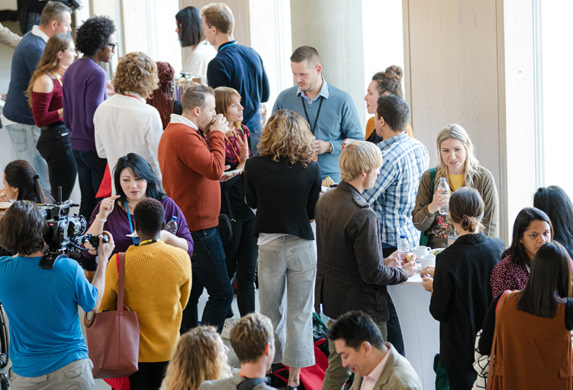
x,y
157,287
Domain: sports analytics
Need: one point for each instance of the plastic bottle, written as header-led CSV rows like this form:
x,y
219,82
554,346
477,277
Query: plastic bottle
x,y
171,226
403,249
444,188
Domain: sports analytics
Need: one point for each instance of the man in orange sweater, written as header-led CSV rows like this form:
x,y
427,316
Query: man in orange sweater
x,y
191,172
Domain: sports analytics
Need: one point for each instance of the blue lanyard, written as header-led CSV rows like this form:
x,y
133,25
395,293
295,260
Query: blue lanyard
x,y
133,239
227,45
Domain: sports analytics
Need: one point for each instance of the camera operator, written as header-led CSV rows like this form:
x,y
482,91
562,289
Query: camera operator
x,y
47,348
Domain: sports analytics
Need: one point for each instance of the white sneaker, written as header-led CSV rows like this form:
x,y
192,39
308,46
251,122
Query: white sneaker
x,y
229,324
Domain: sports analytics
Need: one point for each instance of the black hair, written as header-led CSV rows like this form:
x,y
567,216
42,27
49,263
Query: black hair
x,y
94,34
22,228
550,278
149,216
558,207
22,175
522,221
190,26
394,110
142,170
356,327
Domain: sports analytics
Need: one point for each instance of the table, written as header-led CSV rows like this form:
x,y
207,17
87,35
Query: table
x,y
419,329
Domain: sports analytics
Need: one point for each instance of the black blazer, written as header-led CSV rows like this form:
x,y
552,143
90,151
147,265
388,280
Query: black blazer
x,y
462,295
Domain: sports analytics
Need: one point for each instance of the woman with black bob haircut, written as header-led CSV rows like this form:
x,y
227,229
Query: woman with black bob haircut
x,y
461,292
196,52
134,180
532,228
558,207
21,182
539,318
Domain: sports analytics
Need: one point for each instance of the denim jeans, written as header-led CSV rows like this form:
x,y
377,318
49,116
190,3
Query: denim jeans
x,y
209,272
91,169
241,255
287,270
55,147
76,375
24,140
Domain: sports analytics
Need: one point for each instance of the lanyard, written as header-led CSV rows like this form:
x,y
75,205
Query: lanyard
x,y
133,240
148,242
232,147
58,78
135,97
227,45
313,128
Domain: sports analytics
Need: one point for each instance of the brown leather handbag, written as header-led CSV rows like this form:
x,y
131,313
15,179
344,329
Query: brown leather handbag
x,y
113,336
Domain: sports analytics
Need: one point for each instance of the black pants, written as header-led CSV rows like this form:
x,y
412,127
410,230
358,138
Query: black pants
x,y
241,259
461,380
148,377
393,324
91,169
54,146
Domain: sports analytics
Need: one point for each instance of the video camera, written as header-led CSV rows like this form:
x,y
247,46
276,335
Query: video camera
x,y
65,234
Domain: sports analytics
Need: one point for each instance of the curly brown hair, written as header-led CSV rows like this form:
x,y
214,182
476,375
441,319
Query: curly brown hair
x,y
136,72
286,136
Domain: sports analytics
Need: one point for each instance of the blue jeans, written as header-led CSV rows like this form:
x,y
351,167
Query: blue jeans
x,y
24,140
91,169
210,272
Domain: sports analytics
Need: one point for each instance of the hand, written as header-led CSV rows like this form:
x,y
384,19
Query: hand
x,y
320,146
392,260
105,249
345,142
428,283
3,197
109,88
219,123
226,177
440,199
106,207
410,267
243,147
428,271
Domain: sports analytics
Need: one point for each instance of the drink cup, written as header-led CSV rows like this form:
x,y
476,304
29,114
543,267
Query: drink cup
x,y
421,251
428,260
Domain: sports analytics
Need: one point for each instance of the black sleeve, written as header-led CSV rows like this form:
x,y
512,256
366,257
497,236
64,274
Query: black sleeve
x,y
488,327
569,313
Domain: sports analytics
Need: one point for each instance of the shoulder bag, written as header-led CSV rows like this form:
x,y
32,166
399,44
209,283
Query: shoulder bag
x,y
424,236
113,336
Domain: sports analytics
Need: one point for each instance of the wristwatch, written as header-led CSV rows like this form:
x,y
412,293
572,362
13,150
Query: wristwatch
x,y
330,148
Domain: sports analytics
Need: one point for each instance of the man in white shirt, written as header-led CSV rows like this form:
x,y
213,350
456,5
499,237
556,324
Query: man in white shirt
x,y
376,364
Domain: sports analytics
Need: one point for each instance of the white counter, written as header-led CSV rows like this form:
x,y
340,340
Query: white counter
x,y
419,329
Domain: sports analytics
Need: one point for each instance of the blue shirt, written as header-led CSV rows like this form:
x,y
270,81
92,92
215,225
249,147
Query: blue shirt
x,y
240,67
24,61
42,308
337,121
404,159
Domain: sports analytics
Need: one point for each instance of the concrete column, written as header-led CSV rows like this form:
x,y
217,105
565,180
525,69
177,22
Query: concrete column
x,y
334,28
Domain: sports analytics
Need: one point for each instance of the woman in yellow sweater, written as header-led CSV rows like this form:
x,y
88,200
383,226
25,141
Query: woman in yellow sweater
x,y
388,82
157,286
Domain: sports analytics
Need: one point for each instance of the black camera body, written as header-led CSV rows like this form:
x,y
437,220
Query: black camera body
x,y
65,234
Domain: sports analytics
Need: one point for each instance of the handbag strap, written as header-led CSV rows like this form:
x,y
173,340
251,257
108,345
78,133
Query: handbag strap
x,y
432,179
120,280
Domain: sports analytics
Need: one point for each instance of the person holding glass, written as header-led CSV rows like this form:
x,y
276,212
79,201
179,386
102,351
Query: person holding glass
x,y
283,184
460,288
460,167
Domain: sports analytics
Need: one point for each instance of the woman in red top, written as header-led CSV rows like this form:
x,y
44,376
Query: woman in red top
x,y
45,98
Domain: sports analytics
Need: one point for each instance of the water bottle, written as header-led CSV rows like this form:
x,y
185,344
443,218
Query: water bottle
x,y
403,249
171,226
443,187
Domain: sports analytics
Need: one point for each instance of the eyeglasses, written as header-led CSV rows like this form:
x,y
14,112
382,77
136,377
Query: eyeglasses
x,y
112,45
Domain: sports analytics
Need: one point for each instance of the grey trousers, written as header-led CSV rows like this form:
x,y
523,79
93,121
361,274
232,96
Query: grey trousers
x,y
74,376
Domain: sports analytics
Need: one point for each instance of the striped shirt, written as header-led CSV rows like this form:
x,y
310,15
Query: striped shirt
x,y
394,194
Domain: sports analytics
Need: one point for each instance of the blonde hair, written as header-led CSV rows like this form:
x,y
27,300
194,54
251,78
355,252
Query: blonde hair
x,y
358,157
455,131
224,99
49,63
198,356
250,336
220,16
287,136
136,72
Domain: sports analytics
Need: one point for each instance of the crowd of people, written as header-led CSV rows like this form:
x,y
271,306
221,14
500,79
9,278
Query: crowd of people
x,y
205,194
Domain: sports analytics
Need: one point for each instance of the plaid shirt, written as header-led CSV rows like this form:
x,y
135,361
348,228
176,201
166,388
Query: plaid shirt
x,y
394,194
